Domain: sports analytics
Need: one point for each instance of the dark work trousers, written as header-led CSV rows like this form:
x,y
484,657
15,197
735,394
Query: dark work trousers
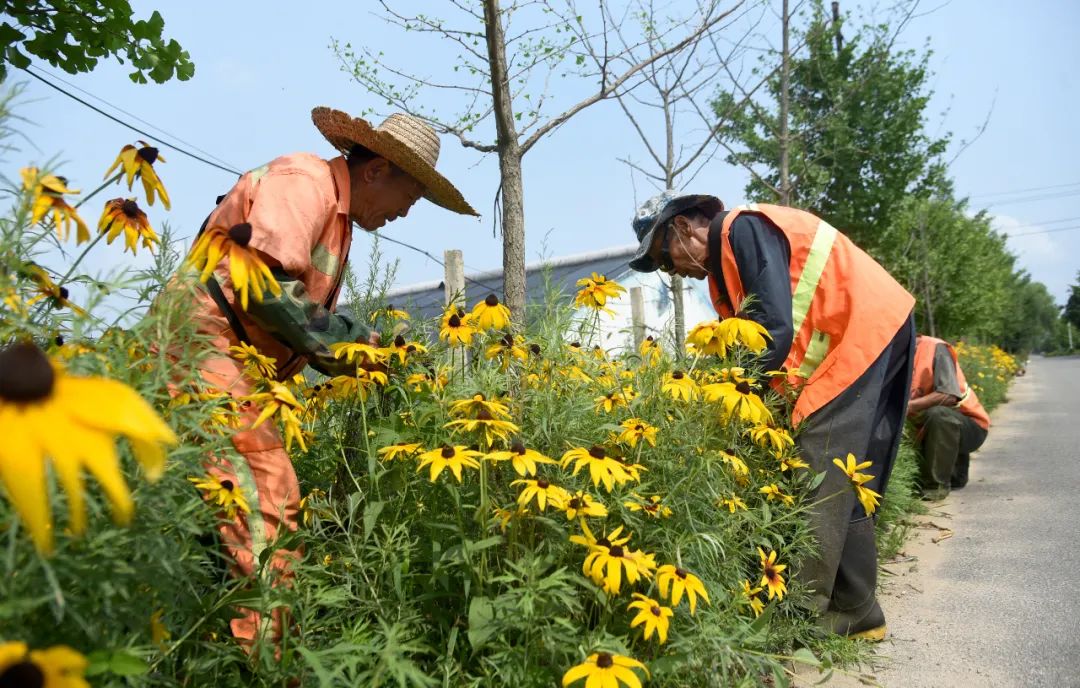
x,y
948,438
866,420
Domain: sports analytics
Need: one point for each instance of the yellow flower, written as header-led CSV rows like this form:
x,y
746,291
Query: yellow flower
x,y
635,429
609,402
773,491
608,561
430,380
655,617
605,670
595,291
455,458
543,491
766,436
309,510
223,493
706,340
576,373
739,330
46,288
750,594
57,667
246,268
471,407
488,427
404,349
602,468
673,582
770,574
680,386
791,463
281,402
457,327
490,314
359,353
733,502
48,197
650,351
504,516
867,497
738,466
159,632
739,400
47,414
523,460
389,312
139,162
506,350
401,449
254,362
580,505
653,506
124,216
587,539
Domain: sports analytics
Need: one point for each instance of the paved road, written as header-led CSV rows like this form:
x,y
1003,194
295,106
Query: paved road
x,y
998,603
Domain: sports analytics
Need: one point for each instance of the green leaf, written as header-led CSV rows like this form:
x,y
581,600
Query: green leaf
x,y
481,621
371,515
805,656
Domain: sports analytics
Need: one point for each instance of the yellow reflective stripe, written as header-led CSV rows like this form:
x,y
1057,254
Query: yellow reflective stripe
x,y
324,261
258,172
815,354
811,274
964,396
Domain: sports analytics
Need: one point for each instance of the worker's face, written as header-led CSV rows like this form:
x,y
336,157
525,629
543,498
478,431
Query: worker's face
x,y
381,194
682,249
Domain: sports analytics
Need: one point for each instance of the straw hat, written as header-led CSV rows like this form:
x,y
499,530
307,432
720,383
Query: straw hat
x,y
407,141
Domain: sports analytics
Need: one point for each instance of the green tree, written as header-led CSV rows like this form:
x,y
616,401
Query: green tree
x,y
74,34
1072,306
1034,317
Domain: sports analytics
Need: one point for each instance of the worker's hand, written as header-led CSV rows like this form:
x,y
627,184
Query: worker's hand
x,y
374,339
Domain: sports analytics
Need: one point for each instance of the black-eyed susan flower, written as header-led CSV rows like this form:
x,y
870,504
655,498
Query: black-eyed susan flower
x,y
582,505
741,330
610,401
595,292
279,401
605,670
46,288
388,312
159,632
768,437
246,268
650,351
733,503
634,430
771,579
453,457
489,314
543,491
790,463
314,504
399,450
523,459
56,667
653,506
706,340
471,407
738,467
47,198
122,215
575,373
673,582
654,616
47,414
256,364
680,386
486,426
139,162
607,564
456,327
223,493
507,350
430,380
750,597
405,350
588,540
867,497
602,468
773,492
738,400
502,517
359,353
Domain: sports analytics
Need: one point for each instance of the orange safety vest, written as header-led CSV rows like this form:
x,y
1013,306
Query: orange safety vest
x,y
922,380
845,308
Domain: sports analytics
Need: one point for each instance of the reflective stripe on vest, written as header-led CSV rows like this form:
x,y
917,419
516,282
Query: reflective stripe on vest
x,y
811,274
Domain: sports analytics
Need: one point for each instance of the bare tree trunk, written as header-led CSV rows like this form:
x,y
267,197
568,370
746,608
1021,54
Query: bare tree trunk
x,y
931,328
836,26
785,95
513,210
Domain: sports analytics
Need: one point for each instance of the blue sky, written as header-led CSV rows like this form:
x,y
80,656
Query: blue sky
x,y
261,67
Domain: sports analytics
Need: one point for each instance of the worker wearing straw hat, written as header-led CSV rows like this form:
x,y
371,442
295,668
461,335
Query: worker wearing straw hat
x,y
298,211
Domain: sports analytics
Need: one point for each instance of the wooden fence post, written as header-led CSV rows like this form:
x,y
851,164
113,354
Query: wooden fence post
x,y
454,281
637,316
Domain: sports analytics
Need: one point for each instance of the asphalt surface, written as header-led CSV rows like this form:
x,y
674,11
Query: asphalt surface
x,y
997,603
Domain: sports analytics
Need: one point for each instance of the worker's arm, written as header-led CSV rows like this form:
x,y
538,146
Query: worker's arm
x,y
306,327
763,256
946,390
917,406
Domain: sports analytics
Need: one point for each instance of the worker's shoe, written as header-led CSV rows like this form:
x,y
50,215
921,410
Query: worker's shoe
x,y
873,635
960,471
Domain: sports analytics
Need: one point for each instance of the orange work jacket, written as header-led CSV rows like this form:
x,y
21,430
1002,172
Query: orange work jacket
x,y
922,380
845,307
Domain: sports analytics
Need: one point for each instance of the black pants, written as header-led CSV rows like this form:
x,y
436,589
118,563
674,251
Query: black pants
x,y
948,438
866,420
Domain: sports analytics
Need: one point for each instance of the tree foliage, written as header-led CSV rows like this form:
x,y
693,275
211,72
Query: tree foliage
x,y
1072,306
75,34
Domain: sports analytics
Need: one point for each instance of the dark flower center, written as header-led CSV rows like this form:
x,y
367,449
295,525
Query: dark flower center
x,y
389,307
454,321
507,341
677,375
59,340
64,293
399,341
25,674
597,452
149,154
535,349
615,551
543,484
484,414
518,448
461,312
447,452
227,485
639,428
655,610
743,387
25,373
575,345
492,300
604,660
681,573
240,233
130,208
649,338
604,542
576,503
410,348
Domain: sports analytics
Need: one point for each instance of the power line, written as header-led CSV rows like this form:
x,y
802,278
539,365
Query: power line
x,y
1041,224
1043,231
130,126
384,237
1027,190
1027,199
